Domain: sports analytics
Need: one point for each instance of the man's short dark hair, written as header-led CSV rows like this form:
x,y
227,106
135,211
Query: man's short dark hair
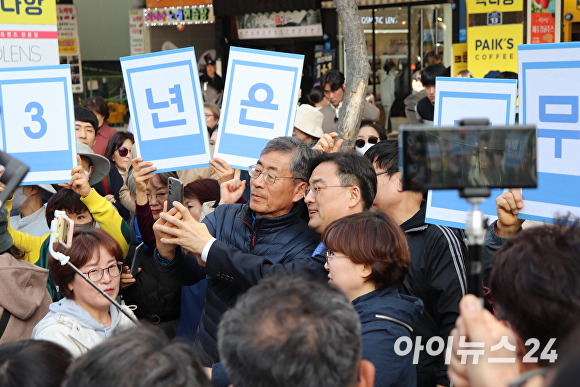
x,y
353,169
141,356
85,115
288,331
431,72
385,155
334,78
534,282
301,154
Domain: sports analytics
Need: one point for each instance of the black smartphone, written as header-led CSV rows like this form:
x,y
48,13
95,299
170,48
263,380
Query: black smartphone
x,y
175,192
135,263
478,156
14,173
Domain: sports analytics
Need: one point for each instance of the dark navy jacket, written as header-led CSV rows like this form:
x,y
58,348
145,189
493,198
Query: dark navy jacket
x,y
385,316
258,242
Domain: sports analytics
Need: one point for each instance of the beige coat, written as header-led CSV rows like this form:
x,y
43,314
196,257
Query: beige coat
x,y
23,292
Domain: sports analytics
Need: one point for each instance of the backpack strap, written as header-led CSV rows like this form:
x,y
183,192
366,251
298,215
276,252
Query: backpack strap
x,y
4,321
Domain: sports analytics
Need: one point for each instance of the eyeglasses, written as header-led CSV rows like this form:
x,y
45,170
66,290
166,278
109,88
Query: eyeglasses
x,y
123,151
161,197
330,256
97,274
314,190
269,177
381,173
208,115
361,142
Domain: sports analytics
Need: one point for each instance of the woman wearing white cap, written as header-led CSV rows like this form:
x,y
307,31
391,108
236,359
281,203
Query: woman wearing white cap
x,y
308,124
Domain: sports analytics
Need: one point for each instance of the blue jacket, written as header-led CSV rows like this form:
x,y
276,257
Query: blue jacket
x,y
385,316
284,239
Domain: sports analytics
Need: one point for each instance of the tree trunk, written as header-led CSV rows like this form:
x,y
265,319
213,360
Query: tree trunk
x,y
358,71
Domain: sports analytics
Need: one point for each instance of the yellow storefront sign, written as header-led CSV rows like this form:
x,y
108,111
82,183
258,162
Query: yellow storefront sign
x,y
67,46
486,6
459,58
492,48
28,12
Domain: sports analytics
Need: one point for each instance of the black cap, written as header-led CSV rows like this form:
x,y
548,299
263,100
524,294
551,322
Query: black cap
x,y
210,61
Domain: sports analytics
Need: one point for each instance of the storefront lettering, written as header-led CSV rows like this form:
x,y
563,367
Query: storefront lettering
x,y
178,15
27,9
19,54
494,44
379,20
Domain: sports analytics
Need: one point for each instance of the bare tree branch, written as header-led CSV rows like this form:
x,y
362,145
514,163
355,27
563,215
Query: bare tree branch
x,y
357,74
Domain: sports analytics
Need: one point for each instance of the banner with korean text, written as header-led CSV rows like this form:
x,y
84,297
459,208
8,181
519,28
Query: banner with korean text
x,y
167,109
259,104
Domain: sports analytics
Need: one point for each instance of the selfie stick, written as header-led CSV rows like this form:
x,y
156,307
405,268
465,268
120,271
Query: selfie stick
x,y
65,260
475,226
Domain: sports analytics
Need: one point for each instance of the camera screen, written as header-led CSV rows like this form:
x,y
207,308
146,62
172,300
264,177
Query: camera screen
x,y
467,156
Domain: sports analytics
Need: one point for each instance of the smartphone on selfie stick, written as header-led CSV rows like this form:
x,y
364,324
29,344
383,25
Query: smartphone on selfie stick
x,y
14,173
61,232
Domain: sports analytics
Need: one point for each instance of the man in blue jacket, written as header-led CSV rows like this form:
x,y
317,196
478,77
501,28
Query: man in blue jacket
x,y
271,227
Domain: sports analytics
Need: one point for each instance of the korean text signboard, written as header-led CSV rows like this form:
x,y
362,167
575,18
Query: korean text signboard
x,y
37,121
167,109
549,85
259,103
28,33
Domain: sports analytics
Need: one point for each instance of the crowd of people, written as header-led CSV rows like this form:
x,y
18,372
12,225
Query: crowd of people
x,y
313,268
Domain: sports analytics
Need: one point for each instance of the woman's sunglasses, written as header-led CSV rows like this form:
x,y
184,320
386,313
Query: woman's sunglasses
x,y
123,152
361,142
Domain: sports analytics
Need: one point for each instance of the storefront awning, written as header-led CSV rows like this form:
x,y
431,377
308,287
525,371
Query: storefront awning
x,y
241,7
370,3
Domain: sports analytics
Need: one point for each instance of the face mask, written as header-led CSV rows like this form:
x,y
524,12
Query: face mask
x,y
88,175
19,198
84,226
364,148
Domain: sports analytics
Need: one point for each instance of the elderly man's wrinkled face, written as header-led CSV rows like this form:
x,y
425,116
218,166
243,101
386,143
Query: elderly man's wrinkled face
x,y
275,194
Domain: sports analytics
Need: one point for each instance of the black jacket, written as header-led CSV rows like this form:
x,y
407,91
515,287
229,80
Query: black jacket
x,y
436,276
284,239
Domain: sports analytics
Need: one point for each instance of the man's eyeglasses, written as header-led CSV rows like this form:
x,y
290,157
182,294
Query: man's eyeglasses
x,y
361,142
313,190
97,274
269,177
123,152
330,256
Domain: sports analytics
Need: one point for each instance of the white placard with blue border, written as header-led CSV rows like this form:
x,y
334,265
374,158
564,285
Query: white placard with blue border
x,y
460,98
37,121
167,109
457,99
259,104
549,95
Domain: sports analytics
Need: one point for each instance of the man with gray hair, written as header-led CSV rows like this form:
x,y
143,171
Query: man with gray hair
x,y
270,230
287,331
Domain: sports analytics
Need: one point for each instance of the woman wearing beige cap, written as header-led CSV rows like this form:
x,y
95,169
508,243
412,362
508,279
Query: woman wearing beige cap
x,y
308,124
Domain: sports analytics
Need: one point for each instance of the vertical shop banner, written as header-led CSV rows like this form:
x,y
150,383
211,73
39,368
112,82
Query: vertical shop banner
x,y
167,109
323,61
260,99
549,99
459,58
37,121
137,31
457,99
543,21
28,33
495,30
69,43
